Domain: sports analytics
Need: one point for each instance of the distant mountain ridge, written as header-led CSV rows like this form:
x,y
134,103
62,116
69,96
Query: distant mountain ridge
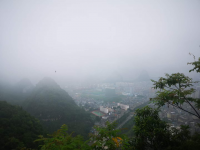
x,y
47,82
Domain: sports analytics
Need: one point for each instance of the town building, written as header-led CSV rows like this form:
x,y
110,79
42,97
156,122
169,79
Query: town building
x,y
125,107
104,110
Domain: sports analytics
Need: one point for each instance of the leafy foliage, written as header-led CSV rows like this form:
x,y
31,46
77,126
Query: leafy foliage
x,y
61,140
149,130
153,133
108,138
175,90
104,138
196,64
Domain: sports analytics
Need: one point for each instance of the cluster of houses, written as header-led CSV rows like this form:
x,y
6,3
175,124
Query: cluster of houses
x,y
107,110
177,117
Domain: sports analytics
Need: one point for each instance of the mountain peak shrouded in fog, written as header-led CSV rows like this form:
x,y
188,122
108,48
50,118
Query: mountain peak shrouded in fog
x,y
47,82
54,107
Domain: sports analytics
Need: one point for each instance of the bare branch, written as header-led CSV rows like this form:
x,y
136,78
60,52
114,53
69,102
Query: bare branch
x,y
192,107
184,110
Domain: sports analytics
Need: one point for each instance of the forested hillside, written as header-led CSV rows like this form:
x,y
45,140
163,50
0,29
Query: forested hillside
x,y
54,107
18,129
49,103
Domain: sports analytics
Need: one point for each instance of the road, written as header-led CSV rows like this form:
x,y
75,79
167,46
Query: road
x,y
127,119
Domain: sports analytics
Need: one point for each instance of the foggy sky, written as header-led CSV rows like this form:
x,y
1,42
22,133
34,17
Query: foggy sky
x,y
83,40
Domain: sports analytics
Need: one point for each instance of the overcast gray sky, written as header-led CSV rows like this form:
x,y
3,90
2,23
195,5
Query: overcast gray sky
x,y
83,39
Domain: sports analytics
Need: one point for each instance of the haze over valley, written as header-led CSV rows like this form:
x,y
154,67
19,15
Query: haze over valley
x,y
87,40
103,74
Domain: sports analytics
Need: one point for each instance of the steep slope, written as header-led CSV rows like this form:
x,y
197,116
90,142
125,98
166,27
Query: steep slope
x,y
17,128
54,107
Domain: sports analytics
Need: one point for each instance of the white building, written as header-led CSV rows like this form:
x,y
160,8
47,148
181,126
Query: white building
x,y
110,110
105,117
125,107
104,110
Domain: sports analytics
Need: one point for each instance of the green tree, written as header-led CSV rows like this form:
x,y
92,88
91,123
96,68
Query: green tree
x,y
195,63
151,133
108,138
61,140
176,90
149,130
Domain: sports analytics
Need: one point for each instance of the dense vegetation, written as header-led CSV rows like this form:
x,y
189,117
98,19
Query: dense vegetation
x,y
62,140
150,132
18,129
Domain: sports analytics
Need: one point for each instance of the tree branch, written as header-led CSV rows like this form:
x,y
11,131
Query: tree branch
x,y
192,107
169,87
176,86
183,109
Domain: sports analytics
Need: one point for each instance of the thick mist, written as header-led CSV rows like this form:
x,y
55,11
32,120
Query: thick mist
x,y
76,41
